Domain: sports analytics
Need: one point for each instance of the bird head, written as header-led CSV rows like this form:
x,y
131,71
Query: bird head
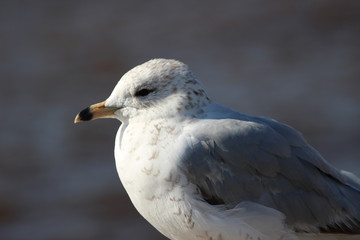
x,y
157,88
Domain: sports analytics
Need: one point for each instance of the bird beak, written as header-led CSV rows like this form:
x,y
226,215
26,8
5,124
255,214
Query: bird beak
x,y
94,112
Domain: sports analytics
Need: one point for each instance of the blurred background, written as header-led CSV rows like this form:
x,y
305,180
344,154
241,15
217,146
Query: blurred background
x,y
295,61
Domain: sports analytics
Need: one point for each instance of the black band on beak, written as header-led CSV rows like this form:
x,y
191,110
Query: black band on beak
x,y
85,115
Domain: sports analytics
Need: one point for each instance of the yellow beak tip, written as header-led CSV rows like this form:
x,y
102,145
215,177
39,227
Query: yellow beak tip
x,y
77,119
84,115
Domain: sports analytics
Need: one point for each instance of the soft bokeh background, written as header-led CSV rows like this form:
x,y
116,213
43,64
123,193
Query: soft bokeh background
x,y
295,61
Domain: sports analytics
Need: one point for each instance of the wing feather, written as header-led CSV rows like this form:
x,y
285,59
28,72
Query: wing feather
x,y
266,162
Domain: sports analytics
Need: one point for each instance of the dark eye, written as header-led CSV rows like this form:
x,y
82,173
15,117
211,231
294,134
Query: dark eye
x,y
143,92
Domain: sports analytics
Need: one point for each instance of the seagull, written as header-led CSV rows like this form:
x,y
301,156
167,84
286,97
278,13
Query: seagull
x,y
198,170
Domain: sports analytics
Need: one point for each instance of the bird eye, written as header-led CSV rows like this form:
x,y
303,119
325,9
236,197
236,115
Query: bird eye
x,y
143,92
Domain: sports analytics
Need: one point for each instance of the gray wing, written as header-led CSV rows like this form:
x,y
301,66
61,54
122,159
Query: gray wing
x,y
264,161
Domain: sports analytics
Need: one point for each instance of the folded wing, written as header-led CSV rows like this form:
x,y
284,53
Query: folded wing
x,y
266,162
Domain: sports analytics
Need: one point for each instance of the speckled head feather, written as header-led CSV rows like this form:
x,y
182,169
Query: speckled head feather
x,y
151,87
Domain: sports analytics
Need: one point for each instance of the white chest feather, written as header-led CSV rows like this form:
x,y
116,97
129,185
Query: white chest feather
x,y
149,173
